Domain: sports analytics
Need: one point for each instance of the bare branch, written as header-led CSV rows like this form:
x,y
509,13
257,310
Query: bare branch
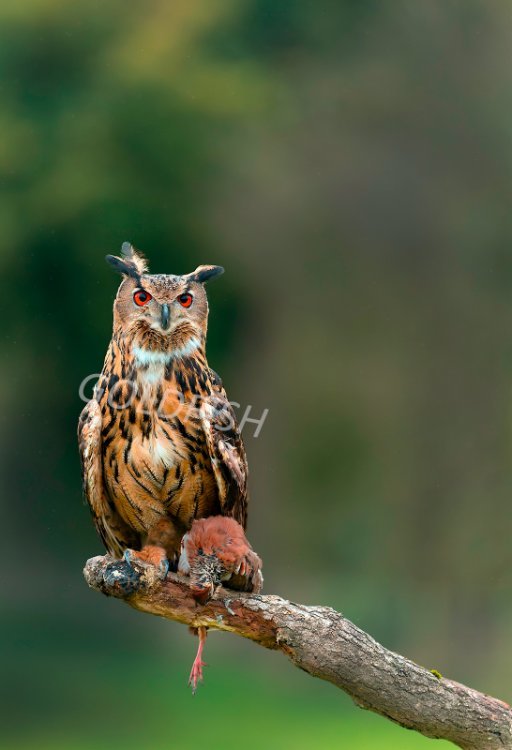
x,y
322,642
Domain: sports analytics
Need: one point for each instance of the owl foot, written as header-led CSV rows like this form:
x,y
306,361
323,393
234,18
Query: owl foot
x,y
246,575
121,580
216,552
149,557
196,675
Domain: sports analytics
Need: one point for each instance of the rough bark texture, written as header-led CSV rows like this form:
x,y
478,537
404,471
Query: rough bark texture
x,y
322,642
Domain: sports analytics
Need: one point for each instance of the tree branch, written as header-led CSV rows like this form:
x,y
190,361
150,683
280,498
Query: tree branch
x,y
322,642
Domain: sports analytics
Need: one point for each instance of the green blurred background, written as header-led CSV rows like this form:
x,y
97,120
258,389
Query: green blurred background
x,y
350,164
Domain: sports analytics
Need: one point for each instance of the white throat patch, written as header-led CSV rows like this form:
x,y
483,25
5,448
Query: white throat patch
x,y
154,361
149,358
185,351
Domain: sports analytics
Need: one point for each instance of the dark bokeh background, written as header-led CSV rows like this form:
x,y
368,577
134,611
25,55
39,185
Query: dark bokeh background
x,y
350,164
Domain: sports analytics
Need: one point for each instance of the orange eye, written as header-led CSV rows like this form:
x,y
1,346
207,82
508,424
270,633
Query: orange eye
x,y
142,298
185,300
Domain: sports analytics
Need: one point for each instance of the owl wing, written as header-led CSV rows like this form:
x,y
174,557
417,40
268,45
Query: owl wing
x,y
114,533
227,452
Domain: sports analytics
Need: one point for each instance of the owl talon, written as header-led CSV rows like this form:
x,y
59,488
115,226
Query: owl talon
x,y
243,568
227,604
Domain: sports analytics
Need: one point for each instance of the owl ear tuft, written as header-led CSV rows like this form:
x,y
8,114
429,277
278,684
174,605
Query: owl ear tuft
x,y
134,256
126,267
204,273
131,263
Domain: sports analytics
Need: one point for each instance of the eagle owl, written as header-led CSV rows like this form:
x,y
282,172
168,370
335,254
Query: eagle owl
x,y
159,442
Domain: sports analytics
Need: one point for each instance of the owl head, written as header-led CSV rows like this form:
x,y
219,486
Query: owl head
x,y
160,311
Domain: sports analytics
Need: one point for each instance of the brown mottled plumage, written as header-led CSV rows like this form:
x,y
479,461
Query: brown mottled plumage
x,y
159,442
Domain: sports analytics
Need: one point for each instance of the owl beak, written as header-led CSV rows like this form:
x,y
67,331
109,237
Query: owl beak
x,y
166,317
